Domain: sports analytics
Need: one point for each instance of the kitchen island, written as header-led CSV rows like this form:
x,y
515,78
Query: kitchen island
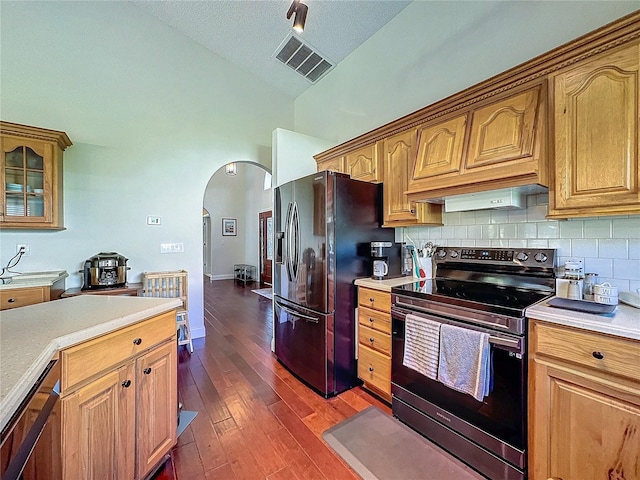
x,y
113,351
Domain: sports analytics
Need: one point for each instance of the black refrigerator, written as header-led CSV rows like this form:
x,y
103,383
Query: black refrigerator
x,y
323,226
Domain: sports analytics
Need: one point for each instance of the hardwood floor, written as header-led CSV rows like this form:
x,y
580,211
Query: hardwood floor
x,y
255,420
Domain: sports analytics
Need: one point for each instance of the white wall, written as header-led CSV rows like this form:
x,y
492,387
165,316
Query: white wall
x,y
152,115
433,49
293,155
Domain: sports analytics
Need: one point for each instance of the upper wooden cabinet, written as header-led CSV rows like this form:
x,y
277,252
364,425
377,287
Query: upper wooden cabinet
x,y
495,144
596,105
398,210
364,163
31,183
335,164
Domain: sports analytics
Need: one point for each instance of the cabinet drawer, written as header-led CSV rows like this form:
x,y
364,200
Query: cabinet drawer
x,y
21,297
605,354
374,299
374,319
83,361
374,368
374,339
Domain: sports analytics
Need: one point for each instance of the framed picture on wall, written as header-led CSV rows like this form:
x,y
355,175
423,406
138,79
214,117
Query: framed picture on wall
x,y
229,226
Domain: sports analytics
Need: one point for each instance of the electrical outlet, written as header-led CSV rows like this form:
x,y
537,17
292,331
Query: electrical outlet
x,y
23,247
172,248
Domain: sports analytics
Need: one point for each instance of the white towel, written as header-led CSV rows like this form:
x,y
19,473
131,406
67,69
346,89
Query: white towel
x,y
465,359
421,345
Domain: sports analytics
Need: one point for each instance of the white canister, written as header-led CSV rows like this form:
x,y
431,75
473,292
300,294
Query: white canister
x,y
606,299
562,287
605,289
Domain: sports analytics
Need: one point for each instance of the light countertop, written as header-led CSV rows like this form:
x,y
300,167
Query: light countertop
x,y
623,322
33,279
30,336
384,285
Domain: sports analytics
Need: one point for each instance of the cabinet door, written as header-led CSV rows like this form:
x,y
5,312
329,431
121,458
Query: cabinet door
x,y
503,131
333,165
439,148
27,183
156,405
596,141
99,428
591,431
399,151
363,164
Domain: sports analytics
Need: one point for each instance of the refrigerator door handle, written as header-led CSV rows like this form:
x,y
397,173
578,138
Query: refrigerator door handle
x,y
296,314
287,235
295,260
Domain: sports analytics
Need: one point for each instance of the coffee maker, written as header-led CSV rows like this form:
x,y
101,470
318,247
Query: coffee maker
x,y
380,259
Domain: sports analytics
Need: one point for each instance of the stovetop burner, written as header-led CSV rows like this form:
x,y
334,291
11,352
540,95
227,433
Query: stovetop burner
x,y
501,299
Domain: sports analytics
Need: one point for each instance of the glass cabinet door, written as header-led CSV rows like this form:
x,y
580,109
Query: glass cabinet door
x,y
25,183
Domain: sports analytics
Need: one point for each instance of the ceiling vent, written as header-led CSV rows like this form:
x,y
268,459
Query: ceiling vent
x,y
303,58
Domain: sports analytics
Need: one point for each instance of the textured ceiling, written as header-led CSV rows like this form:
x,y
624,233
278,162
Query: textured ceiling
x,y
247,33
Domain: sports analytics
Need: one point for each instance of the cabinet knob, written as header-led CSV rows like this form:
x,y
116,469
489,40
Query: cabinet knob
x,y
371,299
371,339
371,320
126,383
147,371
11,300
598,355
137,341
371,369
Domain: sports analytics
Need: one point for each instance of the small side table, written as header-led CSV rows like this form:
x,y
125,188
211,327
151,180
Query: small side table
x,y
244,273
130,289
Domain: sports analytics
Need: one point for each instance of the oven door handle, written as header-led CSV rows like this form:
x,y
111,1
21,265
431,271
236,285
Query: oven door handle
x,y
510,343
424,310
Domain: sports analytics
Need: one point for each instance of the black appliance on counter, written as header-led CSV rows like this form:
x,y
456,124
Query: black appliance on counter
x,y
105,270
324,225
487,290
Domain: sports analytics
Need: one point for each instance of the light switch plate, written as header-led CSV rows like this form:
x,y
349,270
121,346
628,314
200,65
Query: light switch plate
x,y
153,220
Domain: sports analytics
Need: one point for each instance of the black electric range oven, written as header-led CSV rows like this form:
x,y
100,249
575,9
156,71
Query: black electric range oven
x,y
486,290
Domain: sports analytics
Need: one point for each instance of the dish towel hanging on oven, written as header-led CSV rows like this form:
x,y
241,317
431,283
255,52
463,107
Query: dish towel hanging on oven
x,y
465,360
421,345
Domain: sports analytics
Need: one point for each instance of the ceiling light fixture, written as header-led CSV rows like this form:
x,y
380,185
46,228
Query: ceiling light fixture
x,y
300,10
230,168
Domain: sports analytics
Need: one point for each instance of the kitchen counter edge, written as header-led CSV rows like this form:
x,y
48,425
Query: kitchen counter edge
x,y
384,285
128,311
623,322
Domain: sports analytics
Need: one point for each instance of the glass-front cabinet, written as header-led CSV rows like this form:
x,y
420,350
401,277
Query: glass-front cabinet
x,y
31,176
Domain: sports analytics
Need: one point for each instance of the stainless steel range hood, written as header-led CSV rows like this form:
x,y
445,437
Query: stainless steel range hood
x,y
504,199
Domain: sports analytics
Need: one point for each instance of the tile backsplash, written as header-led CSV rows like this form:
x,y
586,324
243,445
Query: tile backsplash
x,y
608,246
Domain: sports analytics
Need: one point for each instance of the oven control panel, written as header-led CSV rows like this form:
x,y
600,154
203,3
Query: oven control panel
x,y
539,257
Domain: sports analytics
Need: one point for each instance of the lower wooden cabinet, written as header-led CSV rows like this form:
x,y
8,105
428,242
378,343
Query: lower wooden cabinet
x,y
21,297
119,423
374,340
584,405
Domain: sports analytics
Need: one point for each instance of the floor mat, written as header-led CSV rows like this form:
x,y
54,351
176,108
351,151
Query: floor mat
x,y
380,447
264,292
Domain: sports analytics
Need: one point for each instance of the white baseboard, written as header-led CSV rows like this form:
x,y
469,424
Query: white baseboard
x,y
220,277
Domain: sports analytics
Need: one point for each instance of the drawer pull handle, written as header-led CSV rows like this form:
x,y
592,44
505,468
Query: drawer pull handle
x,y
371,320
371,339
137,341
371,299
126,383
11,300
147,371
598,355
371,369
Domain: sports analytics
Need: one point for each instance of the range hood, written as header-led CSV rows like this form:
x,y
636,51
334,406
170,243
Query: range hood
x,y
504,199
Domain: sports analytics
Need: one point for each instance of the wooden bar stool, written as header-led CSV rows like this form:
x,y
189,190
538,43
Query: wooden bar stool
x,y
171,285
